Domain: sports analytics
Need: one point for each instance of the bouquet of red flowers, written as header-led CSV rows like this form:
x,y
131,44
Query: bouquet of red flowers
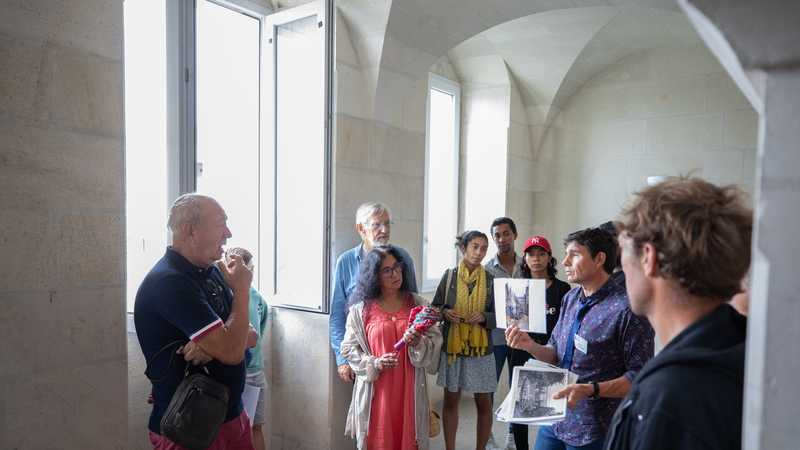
x,y
421,319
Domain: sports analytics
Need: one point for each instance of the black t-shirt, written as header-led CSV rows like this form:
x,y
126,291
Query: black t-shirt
x,y
178,301
553,296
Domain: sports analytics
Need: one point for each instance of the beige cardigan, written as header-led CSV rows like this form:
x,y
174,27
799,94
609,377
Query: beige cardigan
x,y
424,357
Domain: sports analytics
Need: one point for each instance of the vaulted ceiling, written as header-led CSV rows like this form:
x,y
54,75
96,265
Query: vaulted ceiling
x,y
552,54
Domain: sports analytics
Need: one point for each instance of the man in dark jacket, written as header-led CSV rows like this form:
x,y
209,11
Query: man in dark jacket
x,y
685,248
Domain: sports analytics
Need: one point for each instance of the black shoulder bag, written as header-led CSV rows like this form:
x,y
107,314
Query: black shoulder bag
x,y
197,409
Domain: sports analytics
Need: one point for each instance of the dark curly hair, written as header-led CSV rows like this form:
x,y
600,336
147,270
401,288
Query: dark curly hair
x,y
503,220
368,287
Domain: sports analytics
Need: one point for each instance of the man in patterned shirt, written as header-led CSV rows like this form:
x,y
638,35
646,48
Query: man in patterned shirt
x,y
597,337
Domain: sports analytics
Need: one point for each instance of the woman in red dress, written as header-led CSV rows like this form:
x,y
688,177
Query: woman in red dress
x,y
389,409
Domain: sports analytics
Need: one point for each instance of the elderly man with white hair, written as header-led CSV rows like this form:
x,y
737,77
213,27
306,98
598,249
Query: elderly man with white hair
x,y
191,303
373,224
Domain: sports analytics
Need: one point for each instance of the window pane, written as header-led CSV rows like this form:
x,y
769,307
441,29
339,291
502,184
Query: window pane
x,y
145,139
299,162
442,192
228,47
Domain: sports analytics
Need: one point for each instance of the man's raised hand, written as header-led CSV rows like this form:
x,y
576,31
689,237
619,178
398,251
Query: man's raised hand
x,y
236,273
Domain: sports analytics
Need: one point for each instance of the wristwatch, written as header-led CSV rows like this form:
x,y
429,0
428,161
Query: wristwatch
x,y
596,390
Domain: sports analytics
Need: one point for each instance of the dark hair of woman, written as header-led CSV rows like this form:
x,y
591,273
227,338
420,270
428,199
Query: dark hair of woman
x,y
551,268
463,239
368,287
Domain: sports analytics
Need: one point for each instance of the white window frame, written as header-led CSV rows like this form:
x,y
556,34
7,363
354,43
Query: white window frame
x,y
182,89
324,11
453,88
181,114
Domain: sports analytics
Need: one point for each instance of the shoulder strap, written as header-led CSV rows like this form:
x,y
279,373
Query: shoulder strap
x,y
171,357
447,286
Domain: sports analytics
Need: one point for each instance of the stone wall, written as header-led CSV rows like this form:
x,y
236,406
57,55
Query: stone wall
x,y
62,329
660,112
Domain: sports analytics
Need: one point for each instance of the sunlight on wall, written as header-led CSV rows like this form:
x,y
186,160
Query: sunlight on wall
x,y
145,139
486,151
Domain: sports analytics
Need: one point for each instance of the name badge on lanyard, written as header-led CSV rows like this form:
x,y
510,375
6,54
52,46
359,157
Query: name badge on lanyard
x,y
581,344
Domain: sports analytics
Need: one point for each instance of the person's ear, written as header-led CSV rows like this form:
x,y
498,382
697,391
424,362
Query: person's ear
x,y
600,259
187,230
649,259
360,229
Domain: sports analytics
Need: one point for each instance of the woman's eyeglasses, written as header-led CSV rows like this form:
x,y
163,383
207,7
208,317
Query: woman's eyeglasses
x,y
387,271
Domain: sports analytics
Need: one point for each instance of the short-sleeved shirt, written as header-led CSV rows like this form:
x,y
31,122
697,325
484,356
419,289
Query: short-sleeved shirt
x,y
176,302
618,343
554,295
497,270
259,313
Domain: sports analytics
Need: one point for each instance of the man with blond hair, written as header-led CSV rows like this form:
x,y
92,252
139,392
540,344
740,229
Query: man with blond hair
x,y
685,248
373,225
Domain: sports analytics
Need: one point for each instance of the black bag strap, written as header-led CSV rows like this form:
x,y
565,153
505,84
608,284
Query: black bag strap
x,y
171,358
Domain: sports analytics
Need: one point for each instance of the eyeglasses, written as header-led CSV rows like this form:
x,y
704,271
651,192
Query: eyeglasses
x,y
387,271
215,295
375,226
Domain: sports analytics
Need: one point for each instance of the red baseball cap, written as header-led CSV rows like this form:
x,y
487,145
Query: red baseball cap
x,y
537,241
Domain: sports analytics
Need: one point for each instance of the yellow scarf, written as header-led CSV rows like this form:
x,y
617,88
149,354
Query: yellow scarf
x,y
468,339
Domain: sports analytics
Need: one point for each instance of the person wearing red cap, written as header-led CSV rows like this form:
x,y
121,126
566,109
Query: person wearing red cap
x,y
538,263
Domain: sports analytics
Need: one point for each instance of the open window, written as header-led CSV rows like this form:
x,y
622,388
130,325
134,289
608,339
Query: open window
x,y
203,114
441,179
295,202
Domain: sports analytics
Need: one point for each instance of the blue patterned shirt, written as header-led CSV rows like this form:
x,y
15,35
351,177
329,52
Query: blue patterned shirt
x,y
619,343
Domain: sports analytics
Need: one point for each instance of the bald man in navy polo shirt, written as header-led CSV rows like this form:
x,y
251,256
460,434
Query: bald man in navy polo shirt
x,y
197,306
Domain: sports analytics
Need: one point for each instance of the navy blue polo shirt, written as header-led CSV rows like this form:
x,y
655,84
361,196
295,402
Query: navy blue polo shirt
x,y
178,301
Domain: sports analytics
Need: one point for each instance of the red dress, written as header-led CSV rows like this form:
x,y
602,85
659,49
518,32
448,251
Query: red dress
x,y
391,421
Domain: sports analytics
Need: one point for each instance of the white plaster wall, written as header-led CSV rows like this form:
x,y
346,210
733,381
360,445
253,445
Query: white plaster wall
x,y
520,184
484,153
62,329
660,112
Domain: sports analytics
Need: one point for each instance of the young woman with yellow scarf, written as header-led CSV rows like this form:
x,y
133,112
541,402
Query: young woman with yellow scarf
x,y
466,296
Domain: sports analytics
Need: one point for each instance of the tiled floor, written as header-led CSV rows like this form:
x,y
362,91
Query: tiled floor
x,y
465,439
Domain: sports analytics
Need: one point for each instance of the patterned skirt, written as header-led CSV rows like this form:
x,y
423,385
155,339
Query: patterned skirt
x,y
468,373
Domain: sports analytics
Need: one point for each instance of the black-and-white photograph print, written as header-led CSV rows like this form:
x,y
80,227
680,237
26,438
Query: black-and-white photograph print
x,y
520,302
517,301
533,390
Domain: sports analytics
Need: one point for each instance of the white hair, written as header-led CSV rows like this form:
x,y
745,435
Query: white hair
x,y
370,209
185,210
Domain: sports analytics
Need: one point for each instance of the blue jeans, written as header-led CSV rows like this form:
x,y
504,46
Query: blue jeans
x,y
546,440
